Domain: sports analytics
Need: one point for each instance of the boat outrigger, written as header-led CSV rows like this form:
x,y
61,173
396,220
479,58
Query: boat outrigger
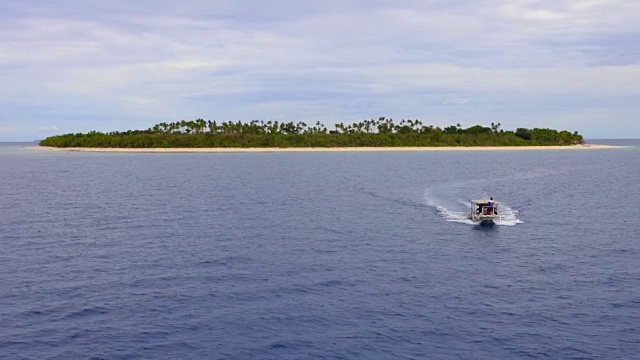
x,y
484,211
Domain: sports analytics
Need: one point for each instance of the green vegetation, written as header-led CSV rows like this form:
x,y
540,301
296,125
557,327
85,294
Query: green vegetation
x,y
383,132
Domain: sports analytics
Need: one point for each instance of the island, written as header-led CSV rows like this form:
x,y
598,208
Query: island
x,y
381,134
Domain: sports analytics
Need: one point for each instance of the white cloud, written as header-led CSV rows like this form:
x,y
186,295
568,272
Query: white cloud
x,y
7,128
48,129
250,59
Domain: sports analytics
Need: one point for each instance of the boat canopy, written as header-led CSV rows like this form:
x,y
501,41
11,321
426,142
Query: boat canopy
x,y
482,202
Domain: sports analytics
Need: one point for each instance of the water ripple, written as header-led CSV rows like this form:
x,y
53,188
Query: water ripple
x,y
333,256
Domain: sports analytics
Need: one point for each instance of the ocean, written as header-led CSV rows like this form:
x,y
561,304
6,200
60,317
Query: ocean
x,y
319,255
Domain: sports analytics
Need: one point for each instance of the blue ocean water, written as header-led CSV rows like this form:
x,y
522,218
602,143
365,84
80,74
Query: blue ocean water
x,y
319,255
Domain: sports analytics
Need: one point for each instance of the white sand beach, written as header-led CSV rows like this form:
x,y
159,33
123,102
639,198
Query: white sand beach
x,y
336,149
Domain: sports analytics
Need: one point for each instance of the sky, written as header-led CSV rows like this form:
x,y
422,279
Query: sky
x,y
75,66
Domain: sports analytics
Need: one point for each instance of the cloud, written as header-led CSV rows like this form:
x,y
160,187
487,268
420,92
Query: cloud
x,y
92,65
48,129
7,128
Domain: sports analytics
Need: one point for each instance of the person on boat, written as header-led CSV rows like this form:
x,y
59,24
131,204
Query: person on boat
x,y
489,206
492,208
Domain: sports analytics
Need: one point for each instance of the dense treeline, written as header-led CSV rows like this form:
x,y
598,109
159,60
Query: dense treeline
x,y
381,132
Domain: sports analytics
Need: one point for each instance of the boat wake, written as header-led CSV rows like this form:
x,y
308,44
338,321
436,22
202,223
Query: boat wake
x,y
459,212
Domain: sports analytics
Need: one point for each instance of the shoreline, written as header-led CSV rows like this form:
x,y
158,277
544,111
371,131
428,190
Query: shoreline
x,y
336,149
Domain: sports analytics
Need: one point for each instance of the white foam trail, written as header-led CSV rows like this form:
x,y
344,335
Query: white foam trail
x,y
509,216
449,215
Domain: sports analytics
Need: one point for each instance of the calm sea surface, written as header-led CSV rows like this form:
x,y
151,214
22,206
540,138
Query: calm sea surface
x,y
319,255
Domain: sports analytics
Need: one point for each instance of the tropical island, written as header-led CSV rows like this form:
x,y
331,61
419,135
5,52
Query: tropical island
x,y
380,133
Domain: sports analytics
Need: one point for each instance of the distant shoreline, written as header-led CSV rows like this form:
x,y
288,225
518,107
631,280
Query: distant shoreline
x,y
319,149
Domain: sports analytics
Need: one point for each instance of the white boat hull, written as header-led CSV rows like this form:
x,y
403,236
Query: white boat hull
x,y
485,218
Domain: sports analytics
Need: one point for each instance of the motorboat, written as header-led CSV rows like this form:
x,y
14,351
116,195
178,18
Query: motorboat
x,y
484,211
